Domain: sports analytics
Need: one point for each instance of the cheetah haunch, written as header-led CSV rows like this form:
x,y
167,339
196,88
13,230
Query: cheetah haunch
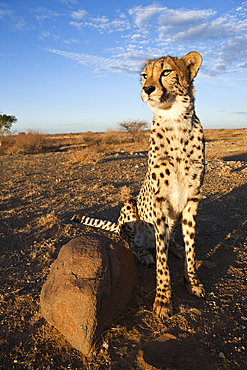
x,y
171,189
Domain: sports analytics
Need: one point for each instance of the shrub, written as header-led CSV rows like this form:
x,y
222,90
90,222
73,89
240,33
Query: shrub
x,y
33,141
135,127
91,138
6,142
111,137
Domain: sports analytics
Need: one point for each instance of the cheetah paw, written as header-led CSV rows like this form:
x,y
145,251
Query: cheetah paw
x,y
196,289
162,309
145,257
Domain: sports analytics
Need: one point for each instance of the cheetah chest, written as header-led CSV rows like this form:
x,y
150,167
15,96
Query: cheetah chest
x,y
175,180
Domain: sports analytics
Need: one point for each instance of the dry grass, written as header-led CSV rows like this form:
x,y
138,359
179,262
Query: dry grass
x,y
125,194
85,156
30,142
48,220
6,142
35,141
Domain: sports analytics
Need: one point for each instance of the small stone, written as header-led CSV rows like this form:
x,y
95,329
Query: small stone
x,y
221,355
123,350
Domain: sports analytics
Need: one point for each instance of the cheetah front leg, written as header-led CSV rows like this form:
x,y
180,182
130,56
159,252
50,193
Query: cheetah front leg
x,y
162,304
188,227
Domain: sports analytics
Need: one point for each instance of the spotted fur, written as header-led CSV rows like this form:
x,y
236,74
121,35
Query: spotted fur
x,y
171,189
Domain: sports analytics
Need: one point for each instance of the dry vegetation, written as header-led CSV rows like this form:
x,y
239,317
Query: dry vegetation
x,y
37,142
94,173
30,142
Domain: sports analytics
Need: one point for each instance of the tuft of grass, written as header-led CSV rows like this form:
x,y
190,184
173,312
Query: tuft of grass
x,y
48,220
85,156
125,193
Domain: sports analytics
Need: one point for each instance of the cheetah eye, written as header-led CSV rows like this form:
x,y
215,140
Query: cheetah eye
x,y
144,76
166,72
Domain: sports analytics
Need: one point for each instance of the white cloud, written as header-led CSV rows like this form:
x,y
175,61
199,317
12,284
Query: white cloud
x,y
56,37
78,25
45,34
5,11
145,32
155,30
143,15
232,53
44,13
242,65
71,41
148,31
102,24
84,58
222,39
100,64
136,36
67,2
9,16
79,14
184,25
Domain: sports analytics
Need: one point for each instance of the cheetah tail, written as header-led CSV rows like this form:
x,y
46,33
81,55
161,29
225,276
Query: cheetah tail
x,y
101,224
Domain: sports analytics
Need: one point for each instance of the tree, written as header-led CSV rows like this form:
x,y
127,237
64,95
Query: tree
x,y
134,127
6,122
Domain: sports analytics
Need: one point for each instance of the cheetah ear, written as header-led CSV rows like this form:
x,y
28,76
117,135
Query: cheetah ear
x,y
148,61
193,61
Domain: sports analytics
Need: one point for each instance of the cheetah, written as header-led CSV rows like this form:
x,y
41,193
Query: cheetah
x,y
171,189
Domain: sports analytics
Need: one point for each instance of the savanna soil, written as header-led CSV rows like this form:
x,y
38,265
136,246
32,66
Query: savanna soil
x,y
40,193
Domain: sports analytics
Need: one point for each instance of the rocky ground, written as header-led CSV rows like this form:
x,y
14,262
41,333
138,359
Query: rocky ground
x,y
40,193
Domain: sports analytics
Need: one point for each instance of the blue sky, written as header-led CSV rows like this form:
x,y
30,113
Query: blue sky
x,y
73,66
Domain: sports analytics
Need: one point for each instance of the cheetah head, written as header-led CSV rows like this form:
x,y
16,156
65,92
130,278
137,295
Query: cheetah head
x,y
166,78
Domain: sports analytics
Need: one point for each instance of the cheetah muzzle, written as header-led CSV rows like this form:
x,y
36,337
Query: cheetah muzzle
x,y
171,189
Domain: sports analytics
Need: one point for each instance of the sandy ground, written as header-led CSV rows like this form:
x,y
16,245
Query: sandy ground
x,y
40,193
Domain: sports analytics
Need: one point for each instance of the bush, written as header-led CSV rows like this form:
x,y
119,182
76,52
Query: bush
x,y
33,141
6,142
135,127
111,137
91,138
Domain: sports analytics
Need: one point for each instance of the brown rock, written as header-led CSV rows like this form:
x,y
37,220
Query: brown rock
x,y
89,285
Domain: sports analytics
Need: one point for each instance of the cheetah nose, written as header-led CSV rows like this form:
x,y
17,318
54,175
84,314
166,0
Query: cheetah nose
x,y
149,89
